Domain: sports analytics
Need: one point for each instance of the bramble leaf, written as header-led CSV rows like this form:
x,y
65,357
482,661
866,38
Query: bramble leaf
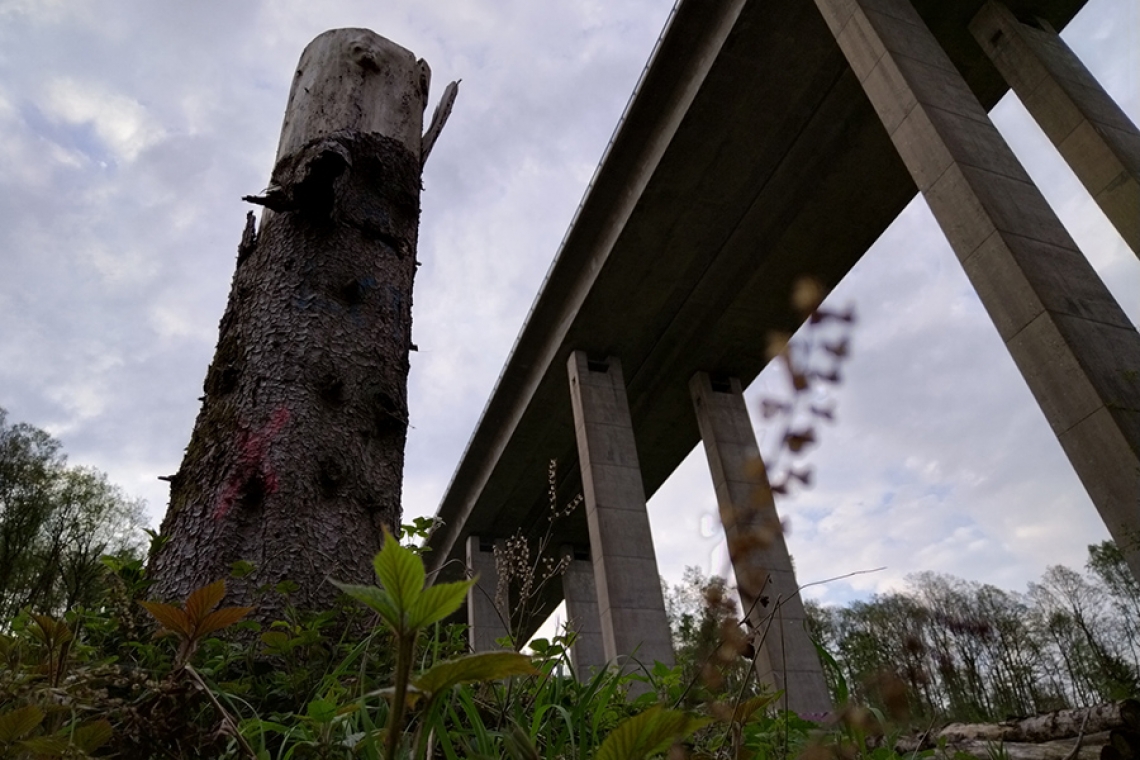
x,y
437,602
747,709
219,619
483,666
648,733
242,568
202,600
91,736
19,722
196,619
401,573
170,618
321,710
46,746
376,598
50,631
277,640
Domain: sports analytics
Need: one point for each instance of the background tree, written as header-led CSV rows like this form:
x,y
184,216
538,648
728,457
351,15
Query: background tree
x,y
711,647
1077,616
1107,564
56,522
972,652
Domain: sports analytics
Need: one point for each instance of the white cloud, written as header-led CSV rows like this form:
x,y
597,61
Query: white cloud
x,y
37,11
120,266
123,123
177,321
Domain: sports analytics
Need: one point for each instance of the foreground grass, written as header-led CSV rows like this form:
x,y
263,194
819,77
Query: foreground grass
x,y
100,683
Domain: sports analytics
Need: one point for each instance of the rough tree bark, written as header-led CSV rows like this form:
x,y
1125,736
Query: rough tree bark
x,y
296,459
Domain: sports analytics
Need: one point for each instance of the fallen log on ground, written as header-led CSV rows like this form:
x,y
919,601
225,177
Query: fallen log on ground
x,y
1091,748
1059,724
1102,732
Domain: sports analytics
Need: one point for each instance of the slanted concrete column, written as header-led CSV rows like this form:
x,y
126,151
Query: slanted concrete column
x,y
630,603
485,623
1099,141
764,577
1075,347
588,654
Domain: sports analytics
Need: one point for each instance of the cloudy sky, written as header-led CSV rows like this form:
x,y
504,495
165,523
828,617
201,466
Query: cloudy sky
x,y
129,130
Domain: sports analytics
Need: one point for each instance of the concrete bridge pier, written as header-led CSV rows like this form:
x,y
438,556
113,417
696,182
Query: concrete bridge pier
x,y
1089,129
579,591
631,607
485,622
1075,347
765,578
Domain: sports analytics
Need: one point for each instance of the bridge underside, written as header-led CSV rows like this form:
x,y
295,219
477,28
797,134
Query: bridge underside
x,y
749,157
768,142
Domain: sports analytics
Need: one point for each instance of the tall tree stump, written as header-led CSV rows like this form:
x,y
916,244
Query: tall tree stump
x,y
296,459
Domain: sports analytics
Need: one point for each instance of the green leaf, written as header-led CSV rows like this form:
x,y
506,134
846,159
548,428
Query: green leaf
x,y
842,692
747,709
437,602
518,744
483,666
277,640
91,736
376,598
251,726
401,573
286,587
648,733
46,746
321,710
411,697
17,723
241,569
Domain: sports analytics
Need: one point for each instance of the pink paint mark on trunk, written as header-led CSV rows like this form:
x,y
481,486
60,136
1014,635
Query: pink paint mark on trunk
x,y
252,465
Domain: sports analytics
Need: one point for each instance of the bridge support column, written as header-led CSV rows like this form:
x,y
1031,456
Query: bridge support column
x,y
485,624
787,658
1099,141
630,603
1075,347
588,654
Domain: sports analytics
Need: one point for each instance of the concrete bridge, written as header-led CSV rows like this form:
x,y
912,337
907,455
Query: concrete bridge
x,y
768,141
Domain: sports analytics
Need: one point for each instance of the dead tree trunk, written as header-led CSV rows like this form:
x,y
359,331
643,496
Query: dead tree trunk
x,y
296,459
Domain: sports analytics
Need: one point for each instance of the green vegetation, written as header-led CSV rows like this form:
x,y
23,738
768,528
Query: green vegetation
x,y
89,667
56,522
106,681
135,679
971,652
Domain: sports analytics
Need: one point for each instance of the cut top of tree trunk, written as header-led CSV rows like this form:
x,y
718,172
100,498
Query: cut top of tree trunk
x,y
355,80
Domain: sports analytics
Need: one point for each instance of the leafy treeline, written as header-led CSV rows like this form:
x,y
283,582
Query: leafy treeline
x,y
972,652
56,521
712,650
